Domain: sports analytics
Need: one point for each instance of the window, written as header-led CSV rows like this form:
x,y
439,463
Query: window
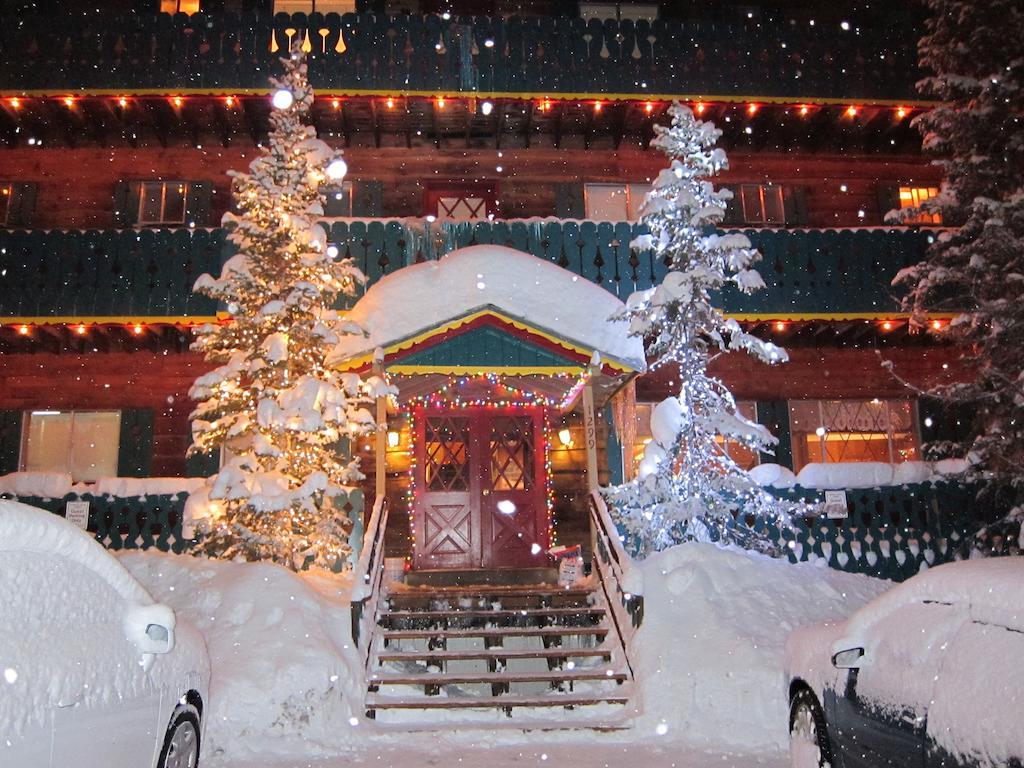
x,y
338,199
461,203
760,204
634,11
742,455
831,431
314,6
912,197
162,202
614,202
179,6
6,198
81,443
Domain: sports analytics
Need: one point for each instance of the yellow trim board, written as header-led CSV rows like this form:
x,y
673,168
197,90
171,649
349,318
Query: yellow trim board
x,y
476,370
412,341
114,319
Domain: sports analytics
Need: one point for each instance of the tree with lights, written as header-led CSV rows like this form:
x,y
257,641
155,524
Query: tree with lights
x,y
285,417
976,268
688,485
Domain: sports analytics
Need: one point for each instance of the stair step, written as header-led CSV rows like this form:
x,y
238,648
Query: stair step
x,y
448,678
491,702
491,632
497,654
477,613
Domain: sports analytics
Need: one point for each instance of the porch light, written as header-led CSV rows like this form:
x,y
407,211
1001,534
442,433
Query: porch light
x,y
565,437
486,108
393,439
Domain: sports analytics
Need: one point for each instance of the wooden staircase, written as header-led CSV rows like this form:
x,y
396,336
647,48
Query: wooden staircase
x,y
526,655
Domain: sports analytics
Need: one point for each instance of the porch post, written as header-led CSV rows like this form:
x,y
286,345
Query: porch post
x,y
381,441
590,435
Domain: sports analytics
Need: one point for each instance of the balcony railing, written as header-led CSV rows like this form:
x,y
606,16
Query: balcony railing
x,y
537,56
149,273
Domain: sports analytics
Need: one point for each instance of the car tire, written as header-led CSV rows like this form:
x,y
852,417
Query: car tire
x,y
809,745
181,744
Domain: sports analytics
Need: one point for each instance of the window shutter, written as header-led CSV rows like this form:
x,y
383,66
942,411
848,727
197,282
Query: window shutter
x,y
335,206
10,441
774,414
888,199
570,202
795,201
367,197
202,464
126,203
135,443
734,210
198,211
22,205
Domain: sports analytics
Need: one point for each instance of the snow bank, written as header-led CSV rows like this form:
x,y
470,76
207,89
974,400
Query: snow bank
x,y
856,474
710,649
45,485
419,297
283,665
127,487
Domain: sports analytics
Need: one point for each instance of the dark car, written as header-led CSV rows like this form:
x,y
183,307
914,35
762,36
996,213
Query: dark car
x,y
931,673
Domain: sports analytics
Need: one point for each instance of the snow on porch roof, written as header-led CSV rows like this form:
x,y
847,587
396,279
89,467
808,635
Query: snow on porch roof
x,y
544,296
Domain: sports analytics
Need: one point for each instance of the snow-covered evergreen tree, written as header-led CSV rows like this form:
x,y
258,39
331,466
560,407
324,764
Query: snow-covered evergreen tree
x,y
976,52
687,481
285,417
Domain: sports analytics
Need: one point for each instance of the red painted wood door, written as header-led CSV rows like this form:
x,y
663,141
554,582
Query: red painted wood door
x,y
480,489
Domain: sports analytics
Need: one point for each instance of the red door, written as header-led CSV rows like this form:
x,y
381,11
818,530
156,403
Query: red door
x,y
480,489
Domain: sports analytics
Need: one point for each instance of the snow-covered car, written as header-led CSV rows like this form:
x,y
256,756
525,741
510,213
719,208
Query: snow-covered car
x,y
927,674
93,672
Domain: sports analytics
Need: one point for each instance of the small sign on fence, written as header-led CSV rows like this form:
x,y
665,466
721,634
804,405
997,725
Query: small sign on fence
x,y
77,513
835,505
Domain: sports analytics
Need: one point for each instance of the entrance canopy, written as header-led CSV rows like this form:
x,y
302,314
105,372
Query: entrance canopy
x,y
490,309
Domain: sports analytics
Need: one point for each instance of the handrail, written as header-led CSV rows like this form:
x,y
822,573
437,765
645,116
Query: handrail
x,y
612,565
368,577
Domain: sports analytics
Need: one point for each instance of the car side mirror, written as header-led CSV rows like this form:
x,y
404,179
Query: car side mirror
x,y
151,628
848,659
158,638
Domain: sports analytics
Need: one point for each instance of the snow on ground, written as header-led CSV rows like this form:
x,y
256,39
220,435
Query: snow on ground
x,y
709,662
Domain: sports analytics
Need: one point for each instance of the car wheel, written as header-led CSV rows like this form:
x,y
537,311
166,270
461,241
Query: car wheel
x,y
808,739
181,744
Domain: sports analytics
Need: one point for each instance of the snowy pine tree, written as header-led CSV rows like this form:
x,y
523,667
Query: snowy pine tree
x,y
686,475
977,267
285,417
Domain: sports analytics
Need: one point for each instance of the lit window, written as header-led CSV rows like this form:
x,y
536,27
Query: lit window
x,y
472,203
760,204
912,197
743,456
6,196
614,202
833,431
162,202
632,11
338,199
317,6
82,443
179,6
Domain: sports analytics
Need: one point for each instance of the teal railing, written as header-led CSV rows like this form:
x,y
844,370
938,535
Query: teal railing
x,y
150,273
872,60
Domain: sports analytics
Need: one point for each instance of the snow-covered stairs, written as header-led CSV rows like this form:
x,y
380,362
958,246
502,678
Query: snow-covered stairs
x,y
527,654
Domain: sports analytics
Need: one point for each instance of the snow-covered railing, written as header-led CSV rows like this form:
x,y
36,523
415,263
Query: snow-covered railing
x,y
613,569
368,578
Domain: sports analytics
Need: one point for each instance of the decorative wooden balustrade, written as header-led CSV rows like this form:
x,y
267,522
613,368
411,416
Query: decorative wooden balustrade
x,y
130,53
148,274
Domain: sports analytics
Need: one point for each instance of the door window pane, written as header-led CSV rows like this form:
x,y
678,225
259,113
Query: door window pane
x,y
511,450
446,456
83,444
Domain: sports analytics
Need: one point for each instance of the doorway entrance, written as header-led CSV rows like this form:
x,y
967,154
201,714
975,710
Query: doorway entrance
x,y
480,488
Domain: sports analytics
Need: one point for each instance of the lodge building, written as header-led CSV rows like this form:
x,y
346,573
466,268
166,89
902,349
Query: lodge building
x,y
473,141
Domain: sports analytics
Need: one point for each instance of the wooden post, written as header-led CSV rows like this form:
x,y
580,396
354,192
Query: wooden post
x,y
590,435
381,444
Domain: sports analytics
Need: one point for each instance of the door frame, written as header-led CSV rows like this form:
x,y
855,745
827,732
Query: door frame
x,y
480,496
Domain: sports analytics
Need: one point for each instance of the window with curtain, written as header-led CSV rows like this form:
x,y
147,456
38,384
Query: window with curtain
x,y
833,431
82,443
179,6
912,197
743,456
162,202
761,204
614,202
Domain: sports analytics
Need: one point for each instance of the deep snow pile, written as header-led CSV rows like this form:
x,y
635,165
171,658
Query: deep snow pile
x,y
710,649
708,656
280,653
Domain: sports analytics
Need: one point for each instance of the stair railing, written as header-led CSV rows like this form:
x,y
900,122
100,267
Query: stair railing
x,y
611,565
368,578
